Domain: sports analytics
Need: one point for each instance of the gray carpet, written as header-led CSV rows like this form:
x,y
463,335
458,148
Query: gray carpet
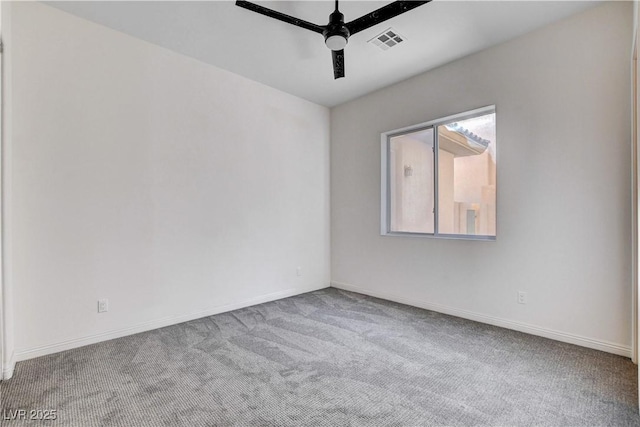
x,y
328,358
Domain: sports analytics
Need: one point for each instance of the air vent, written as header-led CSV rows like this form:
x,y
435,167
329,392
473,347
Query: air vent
x,y
387,39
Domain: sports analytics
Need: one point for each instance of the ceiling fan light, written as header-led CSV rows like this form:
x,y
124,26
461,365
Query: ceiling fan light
x,y
336,42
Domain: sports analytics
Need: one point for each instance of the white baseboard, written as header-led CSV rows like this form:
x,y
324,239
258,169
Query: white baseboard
x,y
8,367
31,353
608,347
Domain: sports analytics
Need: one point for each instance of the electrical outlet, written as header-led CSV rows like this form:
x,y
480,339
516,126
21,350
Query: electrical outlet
x,y
103,305
299,271
522,297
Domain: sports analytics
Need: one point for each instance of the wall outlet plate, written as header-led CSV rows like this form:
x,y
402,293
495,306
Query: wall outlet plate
x,y
103,305
522,297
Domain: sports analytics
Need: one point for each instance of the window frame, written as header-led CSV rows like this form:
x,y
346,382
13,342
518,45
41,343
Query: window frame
x,y
385,176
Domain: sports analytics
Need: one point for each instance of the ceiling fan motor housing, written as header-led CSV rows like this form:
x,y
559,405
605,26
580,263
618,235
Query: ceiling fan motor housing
x,y
336,33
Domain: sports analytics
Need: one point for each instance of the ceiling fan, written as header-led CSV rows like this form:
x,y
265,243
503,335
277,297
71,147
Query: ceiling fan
x,y
336,33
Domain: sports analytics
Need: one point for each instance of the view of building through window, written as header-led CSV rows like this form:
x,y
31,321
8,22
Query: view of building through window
x,y
467,177
412,182
460,199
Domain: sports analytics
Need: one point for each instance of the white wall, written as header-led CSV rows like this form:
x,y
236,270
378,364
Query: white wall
x,y
635,116
6,310
170,187
564,195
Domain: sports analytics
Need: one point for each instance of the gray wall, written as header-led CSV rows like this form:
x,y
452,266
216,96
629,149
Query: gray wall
x,y
562,96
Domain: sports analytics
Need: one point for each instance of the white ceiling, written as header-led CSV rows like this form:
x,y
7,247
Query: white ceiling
x,y
297,61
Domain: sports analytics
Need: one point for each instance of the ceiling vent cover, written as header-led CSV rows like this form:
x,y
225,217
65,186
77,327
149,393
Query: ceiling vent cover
x,y
387,39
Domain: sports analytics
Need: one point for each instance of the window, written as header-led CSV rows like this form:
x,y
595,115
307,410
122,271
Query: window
x,y
439,178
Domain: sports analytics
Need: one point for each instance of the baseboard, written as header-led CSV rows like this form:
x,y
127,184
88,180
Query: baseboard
x,y
31,353
8,368
608,347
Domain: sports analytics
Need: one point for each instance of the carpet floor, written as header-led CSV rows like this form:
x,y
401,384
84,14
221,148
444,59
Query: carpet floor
x,y
327,358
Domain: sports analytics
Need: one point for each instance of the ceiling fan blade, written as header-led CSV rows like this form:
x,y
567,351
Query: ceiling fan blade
x,y
386,12
338,63
280,16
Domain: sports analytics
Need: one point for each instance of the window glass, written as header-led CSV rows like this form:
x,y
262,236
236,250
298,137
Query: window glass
x,y
411,176
467,177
